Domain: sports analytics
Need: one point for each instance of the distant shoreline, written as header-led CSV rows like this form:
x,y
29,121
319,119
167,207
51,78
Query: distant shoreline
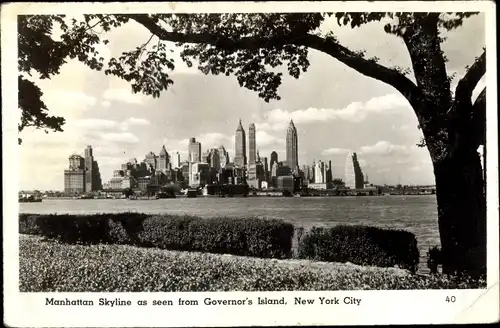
x,y
240,196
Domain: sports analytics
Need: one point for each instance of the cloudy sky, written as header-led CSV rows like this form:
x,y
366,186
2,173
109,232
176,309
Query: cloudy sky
x,y
335,110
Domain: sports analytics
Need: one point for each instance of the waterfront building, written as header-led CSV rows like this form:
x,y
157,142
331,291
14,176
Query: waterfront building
x,y
200,173
74,177
252,146
289,183
274,175
185,170
292,148
273,159
92,175
223,156
266,169
83,174
226,175
329,173
318,186
176,160
204,156
213,159
151,159
240,158
144,182
353,174
319,172
252,158
311,173
164,160
194,151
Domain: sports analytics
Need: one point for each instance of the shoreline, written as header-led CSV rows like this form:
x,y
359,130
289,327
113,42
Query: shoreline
x,y
239,196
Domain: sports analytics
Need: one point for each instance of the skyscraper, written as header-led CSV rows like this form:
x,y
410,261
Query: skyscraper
x,y
176,162
292,159
223,156
320,172
89,161
74,177
353,173
194,151
151,160
83,174
240,157
213,159
252,157
274,159
252,147
163,160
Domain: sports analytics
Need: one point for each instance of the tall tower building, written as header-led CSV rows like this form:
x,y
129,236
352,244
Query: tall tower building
x,y
151,160
223,156
176,161
163,161
89,165
252,157
292,144
274,159
194,151
74,177
266,169
240,157
252,147
213,159
319,172
353,173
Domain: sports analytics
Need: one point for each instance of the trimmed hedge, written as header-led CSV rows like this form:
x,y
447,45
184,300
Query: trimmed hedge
x,y
46,266
361,245
248,236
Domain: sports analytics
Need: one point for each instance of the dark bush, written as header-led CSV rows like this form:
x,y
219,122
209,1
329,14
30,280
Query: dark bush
x,y
361,245
434,259
71,228
27,224
248,236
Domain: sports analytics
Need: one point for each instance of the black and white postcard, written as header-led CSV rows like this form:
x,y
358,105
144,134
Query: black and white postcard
x,y
249,163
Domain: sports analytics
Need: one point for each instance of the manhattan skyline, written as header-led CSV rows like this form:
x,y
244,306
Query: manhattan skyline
x,y
334,109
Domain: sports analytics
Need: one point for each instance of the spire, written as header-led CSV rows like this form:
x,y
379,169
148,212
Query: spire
x,y
163,150
240,127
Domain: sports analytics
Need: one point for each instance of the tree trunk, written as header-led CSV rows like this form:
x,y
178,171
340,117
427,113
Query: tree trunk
x,y
461,212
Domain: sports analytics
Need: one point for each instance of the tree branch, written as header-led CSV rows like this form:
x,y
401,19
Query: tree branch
x,y
366,67
463,92
329,46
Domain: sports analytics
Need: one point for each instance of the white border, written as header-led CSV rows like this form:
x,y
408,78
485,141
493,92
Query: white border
x,y
379,307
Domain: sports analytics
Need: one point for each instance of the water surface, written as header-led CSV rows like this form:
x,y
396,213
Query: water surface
x,y
417,214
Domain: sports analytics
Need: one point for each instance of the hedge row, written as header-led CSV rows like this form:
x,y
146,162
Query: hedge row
x,y
361,245
52,267
248,236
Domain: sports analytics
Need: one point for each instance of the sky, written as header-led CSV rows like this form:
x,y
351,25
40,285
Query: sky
x,y
335,109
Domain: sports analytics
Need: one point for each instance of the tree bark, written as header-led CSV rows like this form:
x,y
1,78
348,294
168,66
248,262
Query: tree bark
x,y
461,212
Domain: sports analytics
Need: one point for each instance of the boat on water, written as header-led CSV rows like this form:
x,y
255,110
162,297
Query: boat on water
x,y
30,199
86,197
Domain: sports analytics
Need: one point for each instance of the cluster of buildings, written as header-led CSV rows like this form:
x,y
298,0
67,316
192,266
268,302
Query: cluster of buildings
x,y
214,167
82,175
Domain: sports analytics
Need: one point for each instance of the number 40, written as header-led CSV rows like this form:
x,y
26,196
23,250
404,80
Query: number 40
x,y
450,299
